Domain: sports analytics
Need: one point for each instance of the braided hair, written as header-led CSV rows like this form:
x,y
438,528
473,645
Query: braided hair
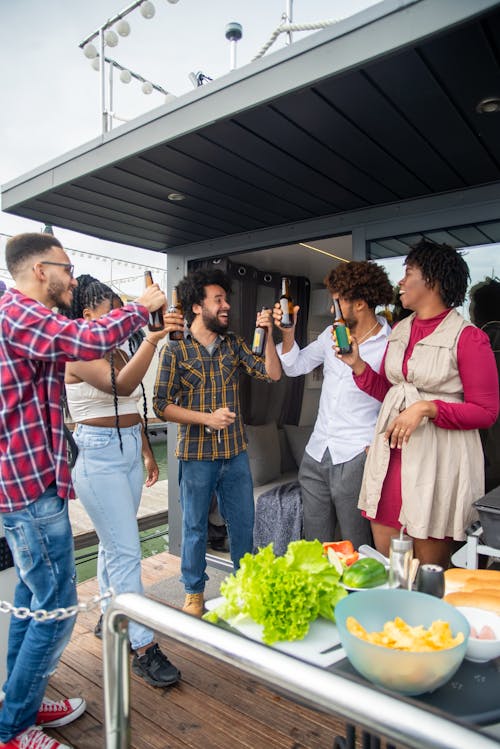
x,y
134,341
90,293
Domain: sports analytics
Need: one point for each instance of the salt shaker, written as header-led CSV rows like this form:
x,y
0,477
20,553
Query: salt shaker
x,y
400,558
431,580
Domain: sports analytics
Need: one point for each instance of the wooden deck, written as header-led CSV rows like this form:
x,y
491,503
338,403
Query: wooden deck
x,y
213,707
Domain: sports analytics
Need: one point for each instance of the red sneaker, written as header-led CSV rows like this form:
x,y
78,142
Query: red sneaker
x,y
52,714
33,738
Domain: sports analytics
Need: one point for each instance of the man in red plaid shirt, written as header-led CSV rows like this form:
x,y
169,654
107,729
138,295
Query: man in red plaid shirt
x,y
35,480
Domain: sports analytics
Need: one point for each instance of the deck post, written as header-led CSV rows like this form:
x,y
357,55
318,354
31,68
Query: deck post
x,y
116,678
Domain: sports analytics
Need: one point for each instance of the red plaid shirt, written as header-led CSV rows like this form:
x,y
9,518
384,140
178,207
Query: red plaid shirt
x,y
35,344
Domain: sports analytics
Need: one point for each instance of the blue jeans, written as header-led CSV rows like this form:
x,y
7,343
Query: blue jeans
x,y
109,485
41,542
232,482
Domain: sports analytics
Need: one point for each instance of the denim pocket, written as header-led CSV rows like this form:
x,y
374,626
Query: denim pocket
x,y
94,440
18,543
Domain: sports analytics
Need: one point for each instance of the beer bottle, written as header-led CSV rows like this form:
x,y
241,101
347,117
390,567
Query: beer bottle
x,y
175,306
340,332
286,304
155,318
259,339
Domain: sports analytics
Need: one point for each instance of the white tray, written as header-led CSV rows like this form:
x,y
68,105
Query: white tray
x,y
320,646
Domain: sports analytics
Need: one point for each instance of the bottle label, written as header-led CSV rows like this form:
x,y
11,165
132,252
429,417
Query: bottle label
x,y
342,338
258,341
286,319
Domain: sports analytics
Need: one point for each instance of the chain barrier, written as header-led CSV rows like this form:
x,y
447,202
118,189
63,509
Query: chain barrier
x,y
41,615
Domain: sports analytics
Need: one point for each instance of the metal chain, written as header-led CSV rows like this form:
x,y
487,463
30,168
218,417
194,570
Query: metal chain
x,y
41,615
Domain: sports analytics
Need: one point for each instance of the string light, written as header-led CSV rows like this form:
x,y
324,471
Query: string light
x,y
109,34
147,9
110,38
123,27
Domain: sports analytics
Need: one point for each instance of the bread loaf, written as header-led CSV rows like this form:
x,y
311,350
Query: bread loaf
x,y
458,579
480,599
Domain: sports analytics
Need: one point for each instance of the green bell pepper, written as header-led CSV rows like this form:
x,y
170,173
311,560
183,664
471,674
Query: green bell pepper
x,y
365,573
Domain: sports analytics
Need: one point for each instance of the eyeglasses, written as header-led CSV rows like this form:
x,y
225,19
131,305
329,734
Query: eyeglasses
x,y
69,266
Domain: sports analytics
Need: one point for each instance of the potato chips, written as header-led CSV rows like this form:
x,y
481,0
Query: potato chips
x,y
399,635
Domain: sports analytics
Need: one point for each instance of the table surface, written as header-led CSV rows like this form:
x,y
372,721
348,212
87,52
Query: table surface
x,y
471,695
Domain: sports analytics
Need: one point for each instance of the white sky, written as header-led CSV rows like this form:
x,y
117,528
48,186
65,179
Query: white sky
x,y
49,93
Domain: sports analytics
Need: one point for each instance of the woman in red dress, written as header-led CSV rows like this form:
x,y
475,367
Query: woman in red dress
x,y
438,386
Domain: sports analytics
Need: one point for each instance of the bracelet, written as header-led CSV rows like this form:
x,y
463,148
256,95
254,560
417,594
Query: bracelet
x,y
151,342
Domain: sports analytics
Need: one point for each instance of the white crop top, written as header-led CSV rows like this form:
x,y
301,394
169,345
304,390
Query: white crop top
x,y
87,402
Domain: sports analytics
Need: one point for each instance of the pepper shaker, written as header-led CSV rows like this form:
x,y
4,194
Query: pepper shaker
x,y
400,559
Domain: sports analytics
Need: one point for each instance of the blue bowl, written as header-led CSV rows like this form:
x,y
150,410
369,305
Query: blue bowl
x,y
402,671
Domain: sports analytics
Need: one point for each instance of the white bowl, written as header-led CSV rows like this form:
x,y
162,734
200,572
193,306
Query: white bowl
x,y
480,651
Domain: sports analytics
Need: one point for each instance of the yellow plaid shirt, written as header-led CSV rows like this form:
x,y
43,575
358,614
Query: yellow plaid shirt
x,y
190,377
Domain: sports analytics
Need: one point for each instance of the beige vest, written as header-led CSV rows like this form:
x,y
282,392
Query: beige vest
x,y
442,470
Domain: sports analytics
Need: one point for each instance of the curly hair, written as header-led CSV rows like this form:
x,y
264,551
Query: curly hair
x,y
441,264
360,280
191,289
24,246
485,301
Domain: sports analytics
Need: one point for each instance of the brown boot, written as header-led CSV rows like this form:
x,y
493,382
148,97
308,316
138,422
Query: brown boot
x,y
193,604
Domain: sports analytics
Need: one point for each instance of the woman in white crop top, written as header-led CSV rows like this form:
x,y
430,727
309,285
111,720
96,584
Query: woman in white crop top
x,y
103,398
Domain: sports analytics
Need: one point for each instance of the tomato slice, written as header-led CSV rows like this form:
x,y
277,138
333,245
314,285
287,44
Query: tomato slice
x,y
340,547
351,558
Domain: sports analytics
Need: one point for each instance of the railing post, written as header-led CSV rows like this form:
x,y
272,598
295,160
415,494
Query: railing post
x,y
116,678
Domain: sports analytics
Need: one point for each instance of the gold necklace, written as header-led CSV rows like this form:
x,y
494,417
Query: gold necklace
x,y
360,340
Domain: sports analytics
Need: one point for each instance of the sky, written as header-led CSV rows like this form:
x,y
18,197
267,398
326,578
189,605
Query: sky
x,y
49,93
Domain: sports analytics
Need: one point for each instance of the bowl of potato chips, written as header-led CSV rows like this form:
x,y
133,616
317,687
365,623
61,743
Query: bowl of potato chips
x,y
402,640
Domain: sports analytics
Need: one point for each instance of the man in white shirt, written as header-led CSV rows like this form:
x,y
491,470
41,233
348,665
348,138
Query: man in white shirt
x,y
332,466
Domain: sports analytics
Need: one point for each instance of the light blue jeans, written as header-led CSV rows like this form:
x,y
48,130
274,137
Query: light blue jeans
x,y
231,480
41,542
109,485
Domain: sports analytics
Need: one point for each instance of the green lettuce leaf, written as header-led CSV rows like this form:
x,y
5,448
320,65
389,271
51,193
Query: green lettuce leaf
x,y
283,594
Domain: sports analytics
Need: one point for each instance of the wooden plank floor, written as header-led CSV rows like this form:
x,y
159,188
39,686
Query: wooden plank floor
x,y
213,707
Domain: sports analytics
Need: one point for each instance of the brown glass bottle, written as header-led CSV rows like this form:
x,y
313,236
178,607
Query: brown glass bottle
x,y
286,304
340,331
155,318
259,339
175,306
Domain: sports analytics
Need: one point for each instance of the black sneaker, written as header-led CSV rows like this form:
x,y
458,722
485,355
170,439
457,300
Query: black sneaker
x,y
98,628
155,668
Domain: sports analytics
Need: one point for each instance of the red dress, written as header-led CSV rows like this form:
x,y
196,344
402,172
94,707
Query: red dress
x,y
477,411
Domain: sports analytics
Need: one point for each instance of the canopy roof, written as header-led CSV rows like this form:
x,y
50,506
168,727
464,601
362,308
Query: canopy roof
x,y
372,119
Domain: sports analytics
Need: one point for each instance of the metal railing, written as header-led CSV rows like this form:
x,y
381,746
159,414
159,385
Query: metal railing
x,y
380,713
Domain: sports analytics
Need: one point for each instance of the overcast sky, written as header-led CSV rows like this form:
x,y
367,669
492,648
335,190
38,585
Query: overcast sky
x,y
49,93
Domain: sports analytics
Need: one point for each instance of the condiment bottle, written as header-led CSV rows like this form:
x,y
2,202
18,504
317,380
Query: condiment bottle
x,y
175,306
286,304
155,318
400,558
259,339
431,580
340,331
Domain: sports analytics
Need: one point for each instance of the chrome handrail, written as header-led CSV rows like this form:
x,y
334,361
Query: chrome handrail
x,y
378,712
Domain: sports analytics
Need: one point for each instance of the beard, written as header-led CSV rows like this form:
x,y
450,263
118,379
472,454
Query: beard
x,y
213,323
57,292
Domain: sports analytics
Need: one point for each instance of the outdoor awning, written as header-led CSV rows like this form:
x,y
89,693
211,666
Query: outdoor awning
x,y
373,113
